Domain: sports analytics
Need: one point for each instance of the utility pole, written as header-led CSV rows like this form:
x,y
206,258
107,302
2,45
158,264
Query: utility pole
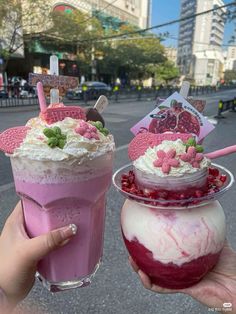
x,y
93,64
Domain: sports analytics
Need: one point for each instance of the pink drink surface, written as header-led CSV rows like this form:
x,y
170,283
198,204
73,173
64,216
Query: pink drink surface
x,y
50,206
169,275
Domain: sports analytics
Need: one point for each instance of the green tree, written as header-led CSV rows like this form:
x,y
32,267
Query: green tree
x,y
16,20
166,72
230,75
133,54
139,55
26,23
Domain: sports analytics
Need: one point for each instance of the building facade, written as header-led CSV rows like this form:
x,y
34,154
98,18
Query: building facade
x,y
135,12
200,56
171,54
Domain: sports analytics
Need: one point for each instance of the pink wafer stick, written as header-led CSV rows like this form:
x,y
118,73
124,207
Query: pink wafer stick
x,y
41,97
221,152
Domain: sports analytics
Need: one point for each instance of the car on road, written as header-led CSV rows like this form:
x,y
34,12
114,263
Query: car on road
x,y
93,90
3,94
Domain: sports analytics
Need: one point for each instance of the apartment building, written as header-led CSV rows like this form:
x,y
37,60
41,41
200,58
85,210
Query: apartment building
x,y
200,56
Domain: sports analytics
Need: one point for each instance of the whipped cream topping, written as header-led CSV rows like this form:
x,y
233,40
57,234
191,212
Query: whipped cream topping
x,y
35,144
175,236
145,162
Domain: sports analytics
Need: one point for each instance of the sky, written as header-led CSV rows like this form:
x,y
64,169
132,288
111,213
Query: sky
x,y
167,10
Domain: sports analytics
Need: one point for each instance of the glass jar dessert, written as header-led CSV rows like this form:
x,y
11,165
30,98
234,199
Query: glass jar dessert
x,y
173,225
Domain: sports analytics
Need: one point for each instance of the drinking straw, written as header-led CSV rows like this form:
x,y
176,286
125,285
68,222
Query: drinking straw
x,y
221,152
54,96
41,97
54,70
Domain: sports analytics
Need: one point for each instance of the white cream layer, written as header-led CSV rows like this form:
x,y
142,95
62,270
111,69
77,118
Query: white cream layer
x,y
145,162
77,147
175,236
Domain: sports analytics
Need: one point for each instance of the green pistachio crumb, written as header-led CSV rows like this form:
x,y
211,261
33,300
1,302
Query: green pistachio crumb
x,y
191,142
57,130
98,124
55,137
199,148
105,131
52,142
63,137
48,132
61,143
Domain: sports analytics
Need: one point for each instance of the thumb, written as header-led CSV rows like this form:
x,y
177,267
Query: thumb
x,y
40,246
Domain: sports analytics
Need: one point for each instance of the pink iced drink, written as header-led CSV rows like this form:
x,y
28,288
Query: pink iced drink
x,y
175,248
55,194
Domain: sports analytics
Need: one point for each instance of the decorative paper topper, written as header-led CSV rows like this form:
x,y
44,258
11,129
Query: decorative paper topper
x,y
53,81
12,138
175,115
63,83
143,141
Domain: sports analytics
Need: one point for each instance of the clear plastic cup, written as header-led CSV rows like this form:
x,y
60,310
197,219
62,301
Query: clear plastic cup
x,y
175,242
56,194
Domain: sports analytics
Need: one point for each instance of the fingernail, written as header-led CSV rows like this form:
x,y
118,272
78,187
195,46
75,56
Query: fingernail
x,y
70,230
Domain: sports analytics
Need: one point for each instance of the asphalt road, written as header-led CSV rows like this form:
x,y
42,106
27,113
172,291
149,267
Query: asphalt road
x,y
116,289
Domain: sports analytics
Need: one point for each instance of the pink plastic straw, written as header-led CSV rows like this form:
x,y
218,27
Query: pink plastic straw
x,y
41,97
221,152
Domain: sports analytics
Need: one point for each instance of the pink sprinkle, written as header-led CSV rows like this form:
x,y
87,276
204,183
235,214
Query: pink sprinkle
x,y
192,151
88,135
192,157
87,130
81,130
93,129
94,135
199,156
84,124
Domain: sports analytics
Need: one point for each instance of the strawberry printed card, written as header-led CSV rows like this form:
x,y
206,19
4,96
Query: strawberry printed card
x,y
175,114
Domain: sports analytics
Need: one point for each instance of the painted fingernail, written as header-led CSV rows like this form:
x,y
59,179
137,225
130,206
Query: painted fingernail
x,y
74,228
70,230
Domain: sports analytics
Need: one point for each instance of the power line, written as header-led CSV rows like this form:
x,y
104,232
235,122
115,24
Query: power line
x,y
160,25
200,43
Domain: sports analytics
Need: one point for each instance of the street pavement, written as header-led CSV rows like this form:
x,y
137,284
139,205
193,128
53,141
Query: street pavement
x,y
116,288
